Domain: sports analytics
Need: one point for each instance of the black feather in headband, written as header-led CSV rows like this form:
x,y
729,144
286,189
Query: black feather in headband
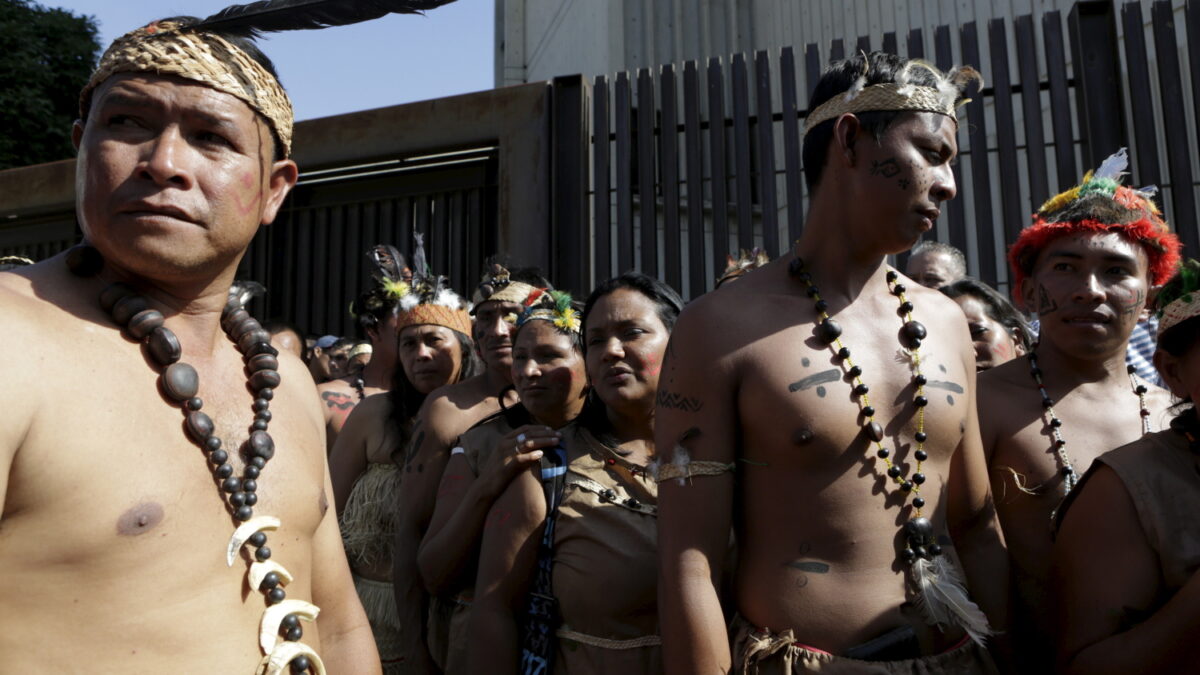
x,y
269,16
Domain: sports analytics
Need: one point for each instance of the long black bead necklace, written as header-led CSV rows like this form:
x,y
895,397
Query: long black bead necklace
x,y
180,382
1065,466
918,530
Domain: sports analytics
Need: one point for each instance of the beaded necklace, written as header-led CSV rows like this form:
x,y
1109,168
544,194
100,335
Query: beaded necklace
x,y
1066,467
280,628
918,530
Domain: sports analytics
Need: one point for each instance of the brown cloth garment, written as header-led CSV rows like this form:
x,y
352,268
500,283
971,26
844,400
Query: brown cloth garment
x,y
606,563
1160,473
762,652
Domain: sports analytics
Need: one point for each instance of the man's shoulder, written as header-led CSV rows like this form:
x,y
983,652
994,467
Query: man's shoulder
x,y
1005,381
36,310
339,385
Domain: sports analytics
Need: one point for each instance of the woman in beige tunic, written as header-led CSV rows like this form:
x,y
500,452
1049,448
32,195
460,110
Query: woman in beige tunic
x,y
602,559
1126,565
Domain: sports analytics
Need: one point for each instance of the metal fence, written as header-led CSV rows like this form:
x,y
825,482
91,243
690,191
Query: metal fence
x,y
689,166
669,170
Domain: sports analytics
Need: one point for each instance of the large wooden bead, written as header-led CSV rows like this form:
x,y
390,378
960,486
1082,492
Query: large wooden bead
x,y
261,445
124,309
144,322
874,431
228,321
248,340
164,346
263,379
244,326
914,330
262,362
260,348
114,292
919,531
84,261
199,426
828,331
180,381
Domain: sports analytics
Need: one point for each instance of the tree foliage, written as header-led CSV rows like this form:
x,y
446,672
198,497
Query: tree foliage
x,y
46,56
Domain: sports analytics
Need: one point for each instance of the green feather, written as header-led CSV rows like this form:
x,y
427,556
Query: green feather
x,y
1185,282
562,300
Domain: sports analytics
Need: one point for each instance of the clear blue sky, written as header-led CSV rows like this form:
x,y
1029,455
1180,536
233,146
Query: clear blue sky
x,y
393,60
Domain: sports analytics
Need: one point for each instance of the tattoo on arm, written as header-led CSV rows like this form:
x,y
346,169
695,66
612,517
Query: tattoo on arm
x,y
673,401
334,399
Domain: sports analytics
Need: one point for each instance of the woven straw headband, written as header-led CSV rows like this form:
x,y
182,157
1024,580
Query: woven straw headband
x,y
888,96
1178,311
164,49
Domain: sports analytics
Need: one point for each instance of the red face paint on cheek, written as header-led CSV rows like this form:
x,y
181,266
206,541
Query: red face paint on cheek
x,y
653,364
246,203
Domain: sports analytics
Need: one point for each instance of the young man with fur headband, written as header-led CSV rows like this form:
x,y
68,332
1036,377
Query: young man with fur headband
x,y
446,414
151,522
835,429
1087,266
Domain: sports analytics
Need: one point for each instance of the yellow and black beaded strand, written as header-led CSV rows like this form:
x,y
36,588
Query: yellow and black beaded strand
x,y
919,530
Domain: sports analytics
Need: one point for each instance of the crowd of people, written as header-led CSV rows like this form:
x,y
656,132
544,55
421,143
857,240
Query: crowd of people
x,y
824,465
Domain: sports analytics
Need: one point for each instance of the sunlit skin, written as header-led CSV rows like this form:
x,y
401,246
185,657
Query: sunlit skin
x,y
430,355
173,180
626,342
289,341
932,269
993,343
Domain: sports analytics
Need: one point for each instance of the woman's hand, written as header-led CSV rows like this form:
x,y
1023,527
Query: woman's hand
x,y
514,453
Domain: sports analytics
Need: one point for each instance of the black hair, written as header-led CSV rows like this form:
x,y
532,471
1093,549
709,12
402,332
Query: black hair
x,y
406,399
666,300
996,306
877,68
242,42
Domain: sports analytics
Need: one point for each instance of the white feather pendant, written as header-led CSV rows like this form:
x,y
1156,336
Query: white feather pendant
x,y
409,301
942,597
1114,166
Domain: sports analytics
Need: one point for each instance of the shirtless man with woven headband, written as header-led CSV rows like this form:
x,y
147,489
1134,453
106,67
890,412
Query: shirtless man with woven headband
x,y
835,429
166,501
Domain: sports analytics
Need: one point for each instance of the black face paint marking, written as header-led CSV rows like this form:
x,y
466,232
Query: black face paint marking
x,y
805,362
831,375
1045,304
948,386
821,392
942,368
949,399
888,168
903,183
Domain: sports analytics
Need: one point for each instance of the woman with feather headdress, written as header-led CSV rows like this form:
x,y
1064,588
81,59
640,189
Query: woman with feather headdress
x,y
1126,566
434,348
